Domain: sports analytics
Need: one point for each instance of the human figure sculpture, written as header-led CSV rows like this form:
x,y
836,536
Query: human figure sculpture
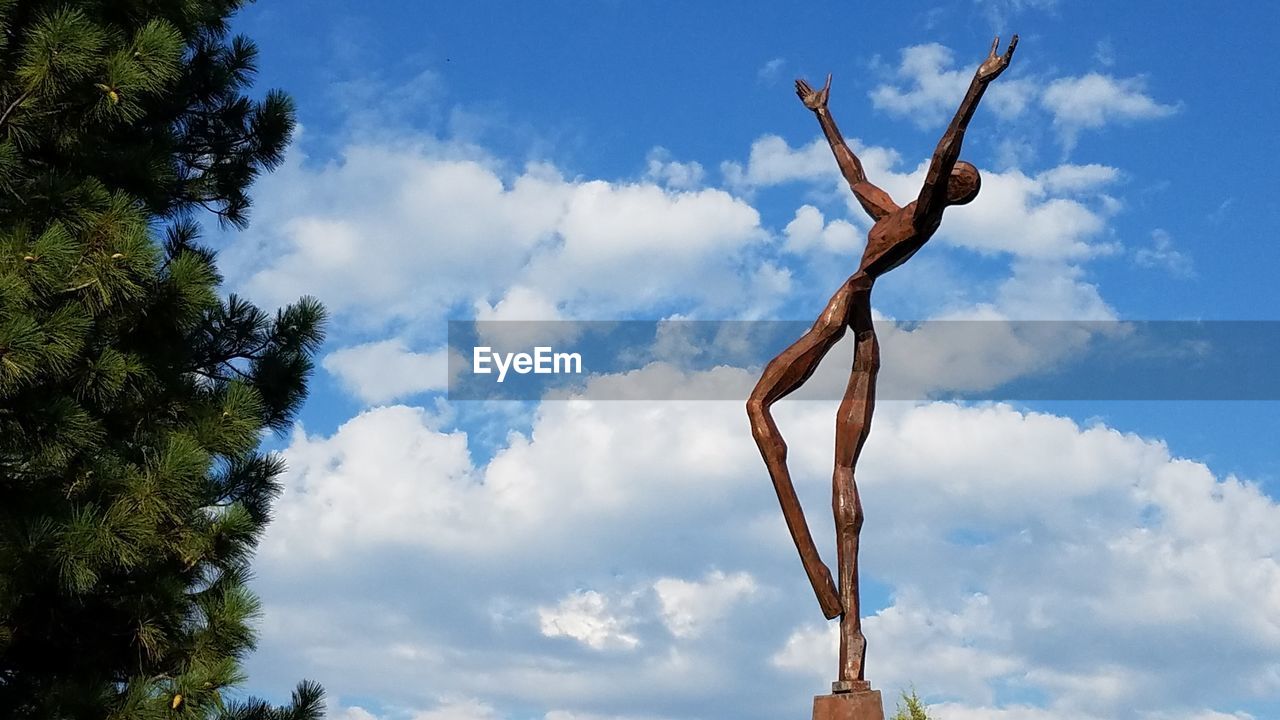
x,y
897,234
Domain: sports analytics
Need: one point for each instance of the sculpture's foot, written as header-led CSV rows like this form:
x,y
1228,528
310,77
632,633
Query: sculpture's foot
x,y
859,702
853,652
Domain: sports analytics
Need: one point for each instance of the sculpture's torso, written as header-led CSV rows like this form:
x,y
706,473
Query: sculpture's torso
x,y
894,239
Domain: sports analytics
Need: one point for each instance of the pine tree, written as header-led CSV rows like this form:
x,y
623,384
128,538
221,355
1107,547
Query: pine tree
x,y
133,398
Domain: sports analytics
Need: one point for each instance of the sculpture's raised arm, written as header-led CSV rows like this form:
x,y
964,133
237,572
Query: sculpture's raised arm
x,y
875,201
933,196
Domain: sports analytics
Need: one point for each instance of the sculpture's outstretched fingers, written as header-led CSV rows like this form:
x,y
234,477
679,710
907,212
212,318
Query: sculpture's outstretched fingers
x,y
1008,54
813,99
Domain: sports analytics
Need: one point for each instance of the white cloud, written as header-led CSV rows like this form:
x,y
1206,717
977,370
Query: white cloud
x,y
773,162
469,709
1077,178
434,568
1044,290
662,169
1104,52
396,233
689,606
1014,152
1057,215
931,89
956,645
770,71
1109,560
565,715
1063,565
518,303
387,370
1093,100
352,489
355,490
935,87
810,230
638,245
1000,12
1162,254
1203,715
960,711
585,616
523,318
931,86
456,709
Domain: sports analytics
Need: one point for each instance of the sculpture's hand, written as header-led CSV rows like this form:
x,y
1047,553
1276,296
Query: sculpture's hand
x,y
995,64
813,99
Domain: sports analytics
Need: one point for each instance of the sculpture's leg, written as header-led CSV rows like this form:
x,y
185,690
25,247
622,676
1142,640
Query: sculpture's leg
x,y
782,376
853,424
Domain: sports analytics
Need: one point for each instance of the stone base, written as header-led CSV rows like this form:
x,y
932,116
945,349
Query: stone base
x,y
856,705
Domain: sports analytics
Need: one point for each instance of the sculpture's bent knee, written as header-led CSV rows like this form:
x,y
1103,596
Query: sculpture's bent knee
x,y
845,502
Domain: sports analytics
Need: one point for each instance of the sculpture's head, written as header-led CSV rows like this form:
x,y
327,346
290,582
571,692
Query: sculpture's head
x,y
964,183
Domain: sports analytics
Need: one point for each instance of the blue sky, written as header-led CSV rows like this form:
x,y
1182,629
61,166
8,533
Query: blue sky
x,y
624,160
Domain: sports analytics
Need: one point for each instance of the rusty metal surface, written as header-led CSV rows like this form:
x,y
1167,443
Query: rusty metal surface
x,y
865,705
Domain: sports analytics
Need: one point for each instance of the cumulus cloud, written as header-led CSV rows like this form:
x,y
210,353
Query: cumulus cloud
x,y
350,480
457,709
586,617
773,162
928,86
1042,290
662,169
1071,579
935,86
391,234
640,245
1093,100
564,715
566,566
387,370
469,709
810,230
689,606
957,644
1059,214
1056,215
1101,581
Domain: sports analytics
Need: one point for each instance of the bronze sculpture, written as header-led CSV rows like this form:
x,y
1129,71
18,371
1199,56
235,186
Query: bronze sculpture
x,y
897,234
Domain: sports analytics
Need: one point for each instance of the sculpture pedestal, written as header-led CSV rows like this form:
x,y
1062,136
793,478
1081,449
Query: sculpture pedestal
x,y
853,700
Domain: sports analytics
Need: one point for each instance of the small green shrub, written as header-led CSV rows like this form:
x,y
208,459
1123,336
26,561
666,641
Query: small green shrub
x,y
911,707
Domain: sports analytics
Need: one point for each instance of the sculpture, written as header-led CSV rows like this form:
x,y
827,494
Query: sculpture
x,y
897,234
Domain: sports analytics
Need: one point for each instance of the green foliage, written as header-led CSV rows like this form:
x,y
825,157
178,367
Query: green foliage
x,y
146,96
132,397
911,707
